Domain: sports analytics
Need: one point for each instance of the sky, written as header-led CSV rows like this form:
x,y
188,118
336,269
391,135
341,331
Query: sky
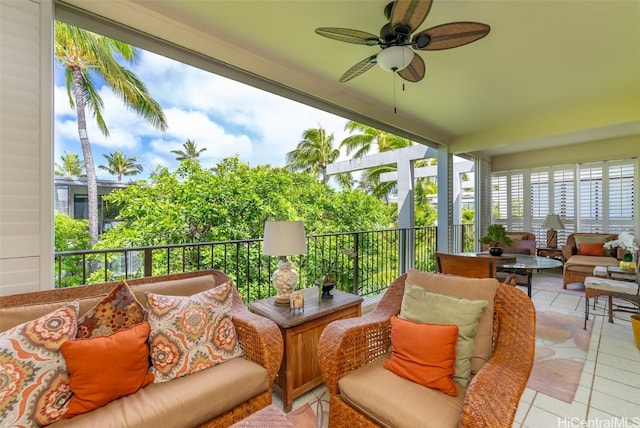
x,y
225,117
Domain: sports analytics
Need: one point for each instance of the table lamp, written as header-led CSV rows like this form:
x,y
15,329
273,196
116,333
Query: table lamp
x,y
282,239
551,223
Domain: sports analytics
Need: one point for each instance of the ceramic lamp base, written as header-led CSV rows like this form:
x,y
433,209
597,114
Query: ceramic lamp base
x,y
284,281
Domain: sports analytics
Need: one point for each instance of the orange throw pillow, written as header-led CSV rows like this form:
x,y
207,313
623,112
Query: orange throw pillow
x,y
591,249
104,368
424,353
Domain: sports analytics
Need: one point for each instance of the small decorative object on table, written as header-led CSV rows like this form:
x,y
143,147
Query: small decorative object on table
x,y
296,301
327,281
327,286
496,235
627,243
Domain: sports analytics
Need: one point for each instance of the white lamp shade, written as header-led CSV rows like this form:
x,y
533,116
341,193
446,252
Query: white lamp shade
x,y
553,221
284,238
394,58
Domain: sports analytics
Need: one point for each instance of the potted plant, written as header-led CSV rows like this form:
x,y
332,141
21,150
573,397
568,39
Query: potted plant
x,y
496,235
327,280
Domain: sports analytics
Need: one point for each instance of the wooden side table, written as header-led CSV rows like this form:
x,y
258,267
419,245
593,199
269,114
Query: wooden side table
x,y
554,253
299,371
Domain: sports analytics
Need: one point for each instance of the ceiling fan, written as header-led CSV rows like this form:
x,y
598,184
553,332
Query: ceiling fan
x,y
395,40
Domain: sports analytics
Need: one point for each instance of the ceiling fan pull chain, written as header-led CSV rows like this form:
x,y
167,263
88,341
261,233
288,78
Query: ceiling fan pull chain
x,y
395,110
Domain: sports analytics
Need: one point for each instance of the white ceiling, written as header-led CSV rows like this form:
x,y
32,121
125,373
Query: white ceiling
x,y
549,73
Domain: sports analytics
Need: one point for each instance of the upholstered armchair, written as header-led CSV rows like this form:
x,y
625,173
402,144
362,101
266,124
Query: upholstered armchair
x,y
582,253
358,346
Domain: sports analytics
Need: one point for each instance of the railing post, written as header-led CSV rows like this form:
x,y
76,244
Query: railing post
x,y
148,259
356,264
406,245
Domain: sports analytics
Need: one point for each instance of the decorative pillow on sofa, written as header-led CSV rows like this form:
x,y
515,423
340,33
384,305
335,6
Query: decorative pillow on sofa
x,y
117,311
424,353
191,333
104,368
465,288
591,249
34,386
421,305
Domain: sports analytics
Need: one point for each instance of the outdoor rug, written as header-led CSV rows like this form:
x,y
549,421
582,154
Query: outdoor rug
x,y
314,414
561,351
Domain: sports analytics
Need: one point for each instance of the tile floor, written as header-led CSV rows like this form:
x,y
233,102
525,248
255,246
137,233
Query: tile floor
x,y
609,391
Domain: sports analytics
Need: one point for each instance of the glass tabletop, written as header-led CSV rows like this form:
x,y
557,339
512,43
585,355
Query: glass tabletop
x,y
530,262
523,261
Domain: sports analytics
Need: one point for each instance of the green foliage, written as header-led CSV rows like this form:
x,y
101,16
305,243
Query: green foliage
x,y
70,235
496,234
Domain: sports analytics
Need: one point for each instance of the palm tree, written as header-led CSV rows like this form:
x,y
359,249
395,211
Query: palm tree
x,y
119,165
88,57
70,166
362,142
313,153
190,151
345,180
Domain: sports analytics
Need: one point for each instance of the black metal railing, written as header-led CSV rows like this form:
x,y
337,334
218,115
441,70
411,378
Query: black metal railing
x,y
363,262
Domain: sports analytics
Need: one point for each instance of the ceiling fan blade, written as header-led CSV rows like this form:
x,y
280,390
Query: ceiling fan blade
x,y
359,68
409,12
451,35
414,72
349,35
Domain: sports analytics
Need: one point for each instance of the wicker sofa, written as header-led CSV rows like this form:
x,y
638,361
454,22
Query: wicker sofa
x,y
214,397
348,347
578,267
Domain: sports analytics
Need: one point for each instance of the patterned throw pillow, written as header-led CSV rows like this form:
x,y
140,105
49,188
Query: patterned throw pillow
x,y
34,383
118,311
191,333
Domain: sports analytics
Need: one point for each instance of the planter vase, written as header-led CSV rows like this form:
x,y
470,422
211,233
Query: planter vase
x,y
496,251
635,325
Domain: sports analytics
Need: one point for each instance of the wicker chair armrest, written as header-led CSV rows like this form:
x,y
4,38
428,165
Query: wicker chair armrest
x,y
348,344
568,251
260,339
494,392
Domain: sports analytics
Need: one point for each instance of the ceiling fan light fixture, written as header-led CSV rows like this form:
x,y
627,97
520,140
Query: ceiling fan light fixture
x,y
395,58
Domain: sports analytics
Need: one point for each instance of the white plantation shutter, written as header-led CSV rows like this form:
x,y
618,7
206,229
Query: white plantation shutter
x,y
596,197
499,198
621,194
25,147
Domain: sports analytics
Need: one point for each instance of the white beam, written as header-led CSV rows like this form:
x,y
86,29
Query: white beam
x,y
430,171
417,151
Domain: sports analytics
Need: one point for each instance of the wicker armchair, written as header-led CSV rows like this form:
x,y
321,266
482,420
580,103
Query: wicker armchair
x,y
492,396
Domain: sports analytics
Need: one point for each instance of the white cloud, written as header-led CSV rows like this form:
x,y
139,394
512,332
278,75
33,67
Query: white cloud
x,y
225,117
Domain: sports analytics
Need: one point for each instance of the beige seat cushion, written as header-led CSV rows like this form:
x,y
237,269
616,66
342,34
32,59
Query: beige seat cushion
x,y
185,402
465,288
587,263
393,401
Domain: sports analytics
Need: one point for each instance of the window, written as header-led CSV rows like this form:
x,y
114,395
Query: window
x,y
598,197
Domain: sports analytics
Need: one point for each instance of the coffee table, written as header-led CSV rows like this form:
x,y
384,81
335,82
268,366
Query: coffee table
x,y
299,371
521,264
